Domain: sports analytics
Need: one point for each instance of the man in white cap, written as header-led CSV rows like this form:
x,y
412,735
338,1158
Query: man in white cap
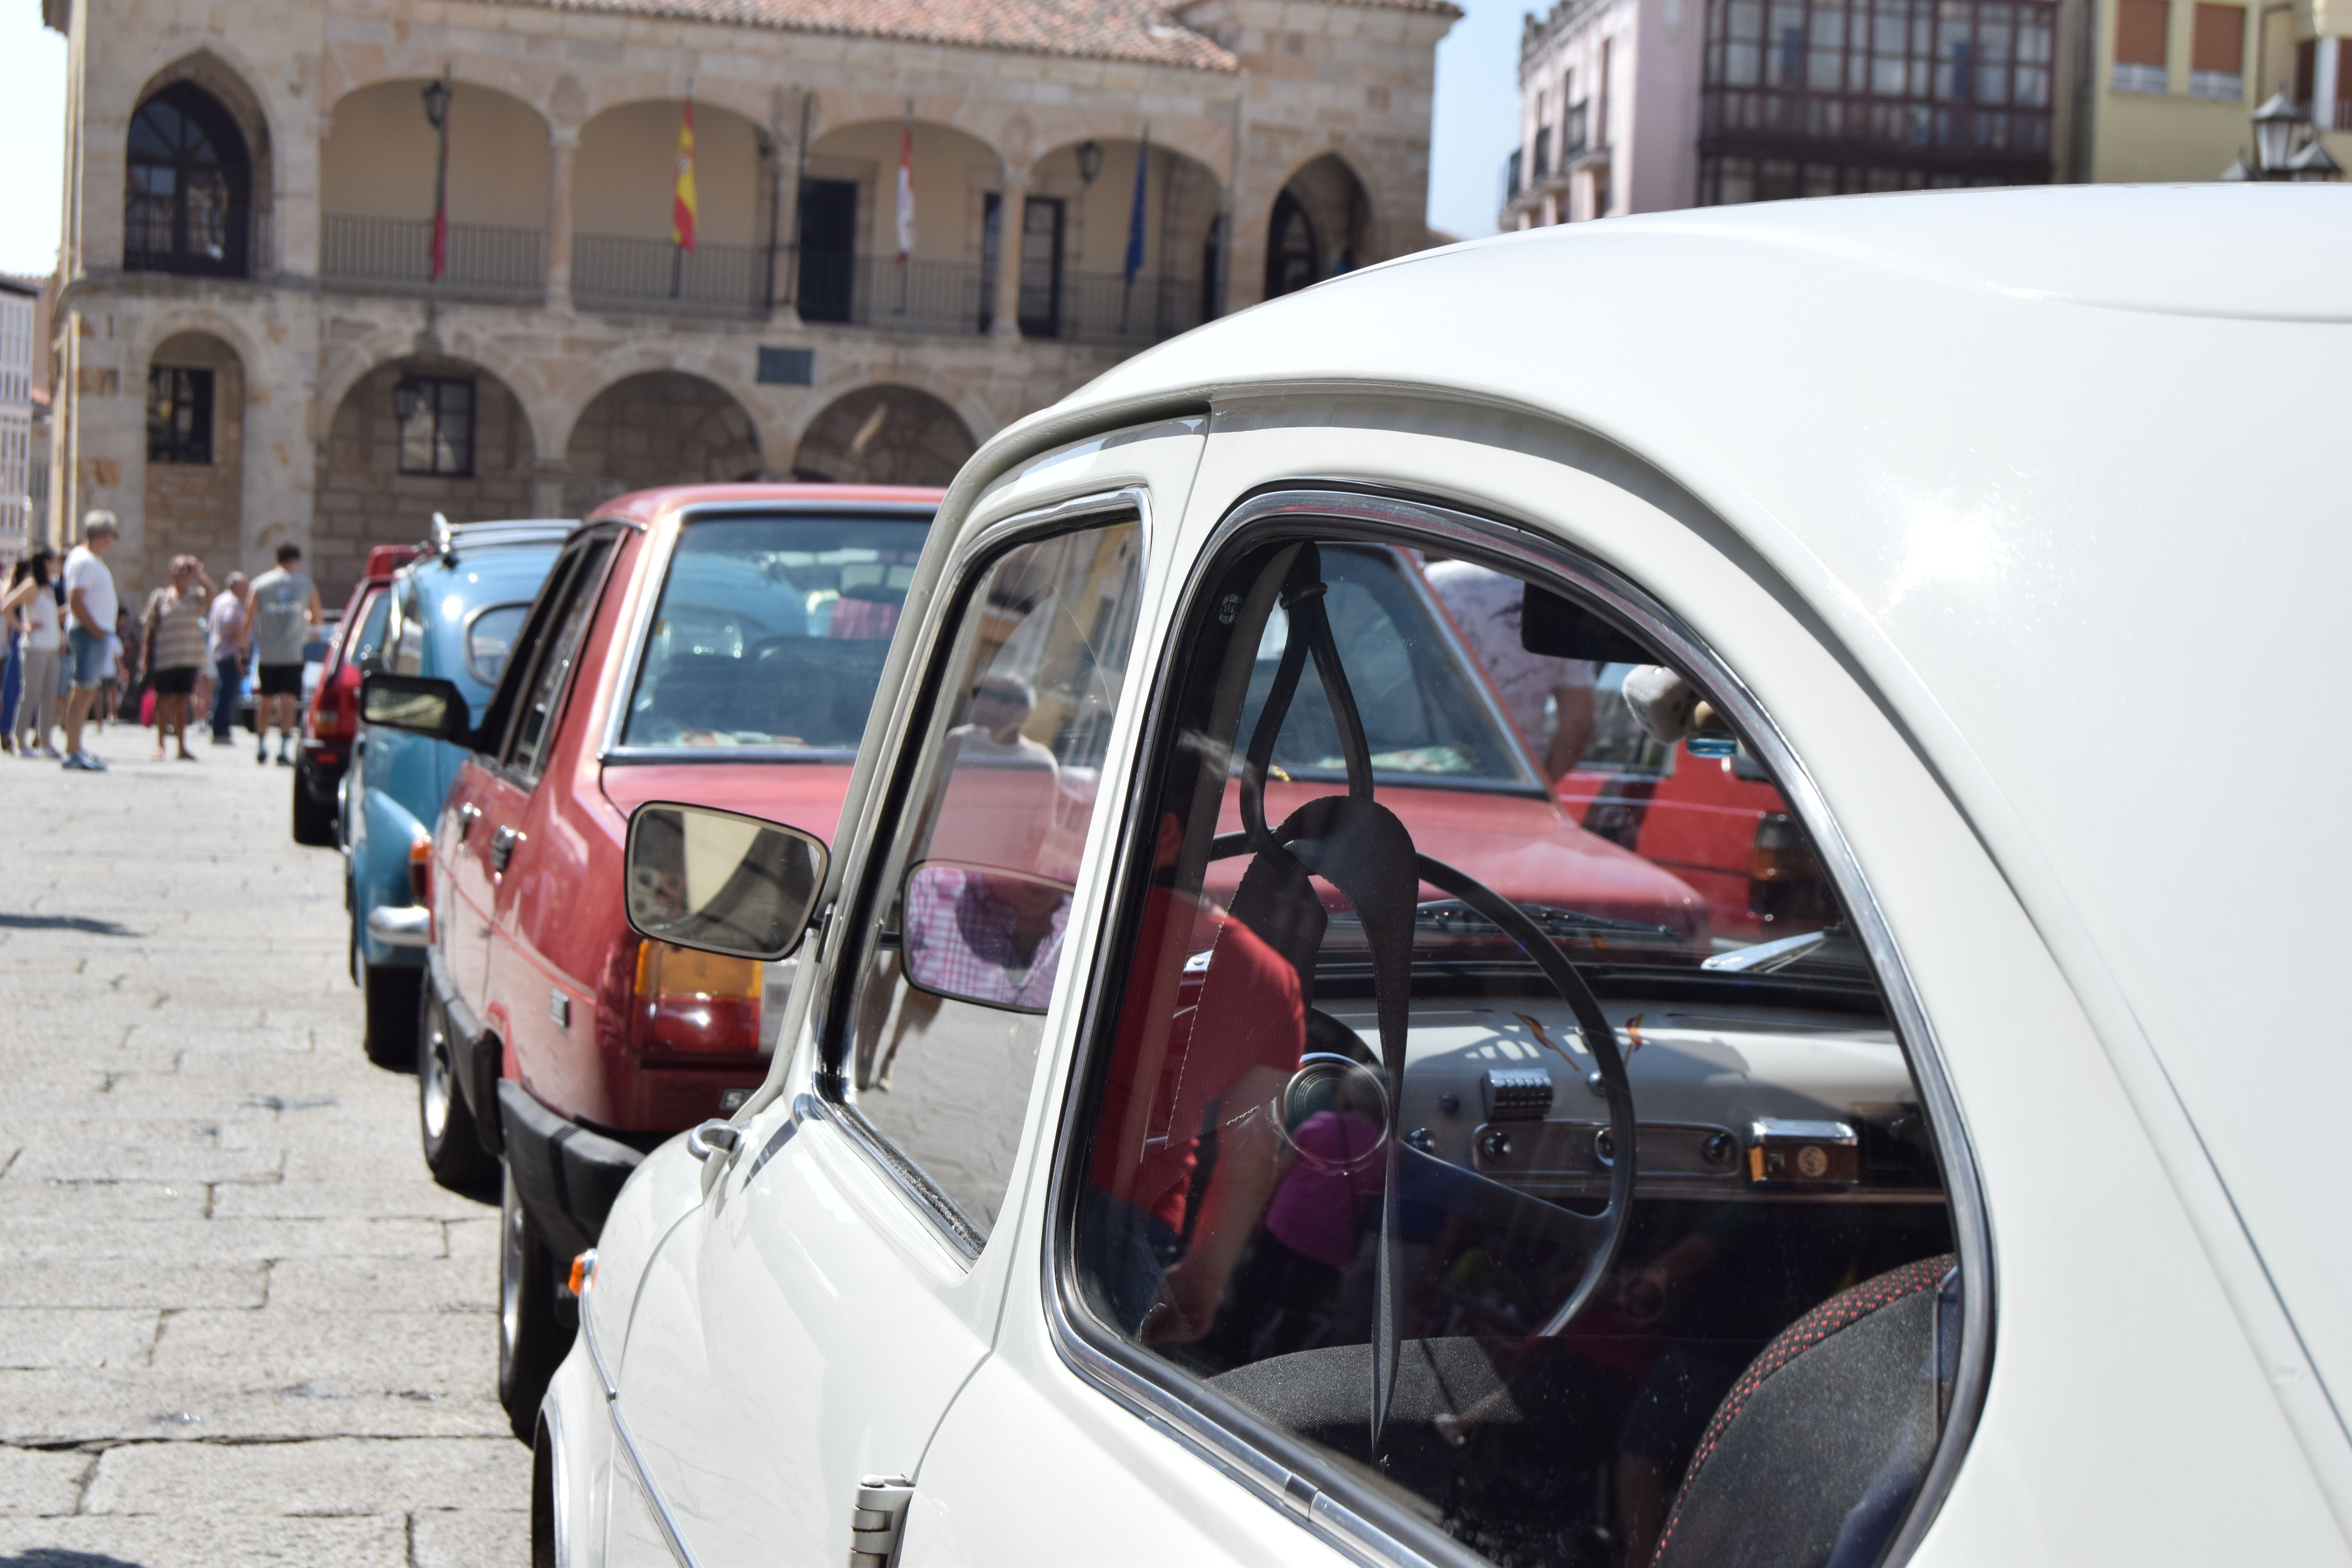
x,y
90,609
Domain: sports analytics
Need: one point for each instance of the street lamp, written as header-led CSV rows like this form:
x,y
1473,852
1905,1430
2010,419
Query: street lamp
x,y
2275,124
2313,163
1089,161
437,101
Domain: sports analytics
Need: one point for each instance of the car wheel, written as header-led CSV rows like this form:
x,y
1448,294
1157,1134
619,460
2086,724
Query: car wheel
x,y
531,1338
392,993
452,1145
314,822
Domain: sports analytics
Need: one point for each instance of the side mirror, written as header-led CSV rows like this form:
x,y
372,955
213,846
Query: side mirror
x,y
722,882
416,703
975,933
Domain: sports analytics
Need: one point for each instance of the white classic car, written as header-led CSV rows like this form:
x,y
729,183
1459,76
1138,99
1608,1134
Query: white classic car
x,y
1233,1109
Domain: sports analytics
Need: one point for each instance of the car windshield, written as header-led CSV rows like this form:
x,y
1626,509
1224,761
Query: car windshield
x,y
1427,716
772,631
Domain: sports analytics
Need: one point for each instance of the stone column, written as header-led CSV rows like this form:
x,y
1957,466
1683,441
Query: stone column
x,y
1005,325
563,145
547,481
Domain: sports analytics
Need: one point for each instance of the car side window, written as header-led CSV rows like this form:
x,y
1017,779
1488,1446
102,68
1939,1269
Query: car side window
x,y
367,645
1464,1157
960,961
406,633
576,582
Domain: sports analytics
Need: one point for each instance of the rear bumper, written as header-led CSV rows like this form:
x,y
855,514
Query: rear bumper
x,y
566,1175
401,925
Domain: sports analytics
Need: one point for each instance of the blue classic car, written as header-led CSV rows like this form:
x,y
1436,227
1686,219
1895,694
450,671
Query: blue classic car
x,y
452,613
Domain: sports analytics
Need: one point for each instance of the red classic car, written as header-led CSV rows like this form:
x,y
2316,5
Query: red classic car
x,y
330,721
712,644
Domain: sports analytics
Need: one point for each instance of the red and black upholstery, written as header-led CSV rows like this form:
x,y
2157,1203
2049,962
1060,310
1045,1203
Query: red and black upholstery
x,y
1815,1453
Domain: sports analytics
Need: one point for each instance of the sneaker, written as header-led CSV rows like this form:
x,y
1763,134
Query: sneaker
x,y
284,760
82,761
51,752
261,753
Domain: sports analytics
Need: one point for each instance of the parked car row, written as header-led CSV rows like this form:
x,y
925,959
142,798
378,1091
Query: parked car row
x,y
1166,1074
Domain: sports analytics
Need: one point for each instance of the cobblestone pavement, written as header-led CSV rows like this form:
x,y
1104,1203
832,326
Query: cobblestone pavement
x,y
238,1321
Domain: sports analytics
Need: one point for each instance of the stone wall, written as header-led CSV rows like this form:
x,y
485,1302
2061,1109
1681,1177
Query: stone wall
x,y
193,507
363,498
659,428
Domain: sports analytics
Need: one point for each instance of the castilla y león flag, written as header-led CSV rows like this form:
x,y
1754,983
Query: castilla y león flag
x,y
682,203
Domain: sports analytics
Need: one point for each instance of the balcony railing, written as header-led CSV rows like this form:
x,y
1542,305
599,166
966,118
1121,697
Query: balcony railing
x,y
948,298
1102,307
489,260
620,272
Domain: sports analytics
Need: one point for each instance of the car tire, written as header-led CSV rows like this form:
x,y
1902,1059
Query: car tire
x,y
445,1122
392,993
531,1340
314,824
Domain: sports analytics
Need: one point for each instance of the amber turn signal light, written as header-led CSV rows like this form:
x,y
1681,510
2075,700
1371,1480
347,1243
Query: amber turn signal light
x,y
583,1273
690,1001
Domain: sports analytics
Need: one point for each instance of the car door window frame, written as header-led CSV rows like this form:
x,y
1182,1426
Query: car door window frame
x,y
1285,1472
545,618
835,1020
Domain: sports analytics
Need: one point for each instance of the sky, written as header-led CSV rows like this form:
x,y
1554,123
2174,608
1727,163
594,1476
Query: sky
x,y
1476,120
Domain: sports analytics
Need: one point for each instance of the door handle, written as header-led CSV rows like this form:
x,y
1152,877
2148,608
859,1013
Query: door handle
x,y
502,846
467,814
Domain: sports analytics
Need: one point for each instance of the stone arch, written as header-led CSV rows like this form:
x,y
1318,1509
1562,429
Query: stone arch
x,y
377,169
1320,224
523,376
1184,244
844,223
218,71
192,499
657,427
395,454
884,435
197,156
624,174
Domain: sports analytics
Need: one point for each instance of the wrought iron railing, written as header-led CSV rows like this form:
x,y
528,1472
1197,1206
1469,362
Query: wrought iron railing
x,y
948,298
1103,308
484,259
620,271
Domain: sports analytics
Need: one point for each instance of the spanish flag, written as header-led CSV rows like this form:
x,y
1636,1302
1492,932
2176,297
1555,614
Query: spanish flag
x,y
682,203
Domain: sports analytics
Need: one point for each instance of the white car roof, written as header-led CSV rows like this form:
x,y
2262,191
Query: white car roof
x,y
2068,471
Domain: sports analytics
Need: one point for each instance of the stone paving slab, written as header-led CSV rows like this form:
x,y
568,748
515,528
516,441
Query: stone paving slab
x,y
240,1324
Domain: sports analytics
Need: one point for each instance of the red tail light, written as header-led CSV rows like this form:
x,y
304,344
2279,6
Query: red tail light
x,y
689,1001
335,713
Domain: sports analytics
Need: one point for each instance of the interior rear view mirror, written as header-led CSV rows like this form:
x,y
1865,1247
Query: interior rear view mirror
x,y
976,933
419,704
718,881
1561,628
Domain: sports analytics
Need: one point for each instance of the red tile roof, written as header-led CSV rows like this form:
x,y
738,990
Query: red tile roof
x,y
1135,30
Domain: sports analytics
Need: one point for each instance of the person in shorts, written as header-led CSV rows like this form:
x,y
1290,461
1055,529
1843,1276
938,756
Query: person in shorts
x,y
174,642
91,610
285,609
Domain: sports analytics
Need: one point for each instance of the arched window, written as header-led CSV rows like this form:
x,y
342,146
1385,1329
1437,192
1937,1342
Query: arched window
x,y
1292,258
186,207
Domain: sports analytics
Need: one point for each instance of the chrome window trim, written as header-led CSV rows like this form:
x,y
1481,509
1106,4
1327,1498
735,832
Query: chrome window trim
x,y
654,575
971,556
1281,1470
670,1534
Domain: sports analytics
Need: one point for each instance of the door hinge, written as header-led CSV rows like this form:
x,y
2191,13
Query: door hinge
x,y
878,1519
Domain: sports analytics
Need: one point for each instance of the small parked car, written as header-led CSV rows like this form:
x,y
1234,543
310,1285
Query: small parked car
x,y
1198,1133
452,614
717,644
330,712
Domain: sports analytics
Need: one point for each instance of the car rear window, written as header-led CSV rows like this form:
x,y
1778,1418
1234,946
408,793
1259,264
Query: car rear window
x,y
772,630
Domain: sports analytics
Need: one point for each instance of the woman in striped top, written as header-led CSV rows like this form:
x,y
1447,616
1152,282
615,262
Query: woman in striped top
x,y
174,637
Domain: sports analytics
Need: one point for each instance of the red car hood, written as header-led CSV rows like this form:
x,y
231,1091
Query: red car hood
x,y
1528,849
807,796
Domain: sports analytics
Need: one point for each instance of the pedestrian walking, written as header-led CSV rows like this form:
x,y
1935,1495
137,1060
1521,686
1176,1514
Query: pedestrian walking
x,y
285,608
90,611
173,634
224,630
32,603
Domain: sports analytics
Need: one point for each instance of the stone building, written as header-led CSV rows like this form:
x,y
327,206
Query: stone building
x,y
251,346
